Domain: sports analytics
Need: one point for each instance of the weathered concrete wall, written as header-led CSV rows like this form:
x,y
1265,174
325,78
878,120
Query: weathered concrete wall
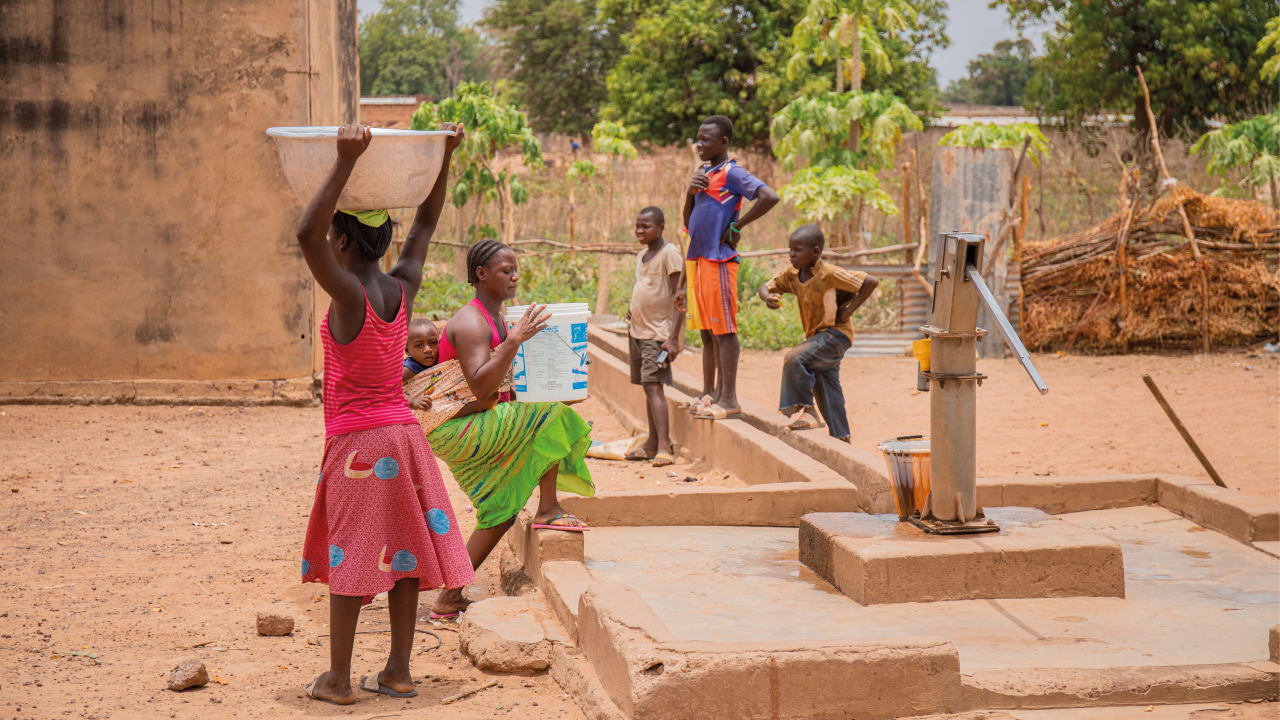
x,y
149,228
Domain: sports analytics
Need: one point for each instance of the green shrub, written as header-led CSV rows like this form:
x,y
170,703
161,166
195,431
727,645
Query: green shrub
x,y
572,278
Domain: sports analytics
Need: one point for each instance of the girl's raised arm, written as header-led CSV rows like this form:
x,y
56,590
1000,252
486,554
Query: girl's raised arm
x,y
409,267
313,228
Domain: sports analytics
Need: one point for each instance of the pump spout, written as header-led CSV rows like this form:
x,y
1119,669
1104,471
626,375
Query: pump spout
x,y
1010,337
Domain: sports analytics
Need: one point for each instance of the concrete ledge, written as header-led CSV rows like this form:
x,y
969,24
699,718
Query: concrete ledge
x,y
864,470
569,668
647,674
295,392
1057,494
563,583
1243,517
1092,687
509,635
731,445
875,559
532,547
775,504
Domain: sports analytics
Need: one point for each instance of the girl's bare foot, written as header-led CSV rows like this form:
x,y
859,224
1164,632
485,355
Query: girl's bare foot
x,y
328,689
556,516
449,602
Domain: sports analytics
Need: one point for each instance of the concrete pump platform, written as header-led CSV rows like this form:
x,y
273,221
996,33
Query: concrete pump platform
x,y
1192,598
877,559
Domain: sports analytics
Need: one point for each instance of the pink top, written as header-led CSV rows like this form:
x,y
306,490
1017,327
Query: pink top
x,y
362,378
449,352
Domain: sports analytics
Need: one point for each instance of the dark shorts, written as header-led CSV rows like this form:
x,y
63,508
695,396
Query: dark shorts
x,y
644,362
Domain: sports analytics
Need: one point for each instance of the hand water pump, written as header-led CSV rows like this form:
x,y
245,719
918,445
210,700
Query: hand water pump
x,y
958,288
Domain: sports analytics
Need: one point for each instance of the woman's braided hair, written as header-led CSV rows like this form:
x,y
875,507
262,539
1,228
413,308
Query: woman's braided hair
x,y
480,254
372,242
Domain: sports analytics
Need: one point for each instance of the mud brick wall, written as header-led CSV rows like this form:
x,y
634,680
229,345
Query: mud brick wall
x,y
148,227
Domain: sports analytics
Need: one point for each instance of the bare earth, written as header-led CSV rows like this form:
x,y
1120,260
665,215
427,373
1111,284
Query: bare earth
x,y
135,533
1098,417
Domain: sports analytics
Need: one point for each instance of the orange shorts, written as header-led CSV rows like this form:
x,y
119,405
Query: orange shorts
x,y
712,296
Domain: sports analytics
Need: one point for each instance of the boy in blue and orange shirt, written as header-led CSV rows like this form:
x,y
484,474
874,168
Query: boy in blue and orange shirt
x,y
711,208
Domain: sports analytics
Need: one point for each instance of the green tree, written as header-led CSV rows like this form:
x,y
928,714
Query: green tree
x,y
844,137
611,139
987,135
1198,56
1251,146
1270,45
493,127
686,59
995,78
557,53
416,47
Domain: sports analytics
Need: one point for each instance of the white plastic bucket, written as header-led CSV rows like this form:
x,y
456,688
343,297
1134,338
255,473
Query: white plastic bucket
x,y
552,365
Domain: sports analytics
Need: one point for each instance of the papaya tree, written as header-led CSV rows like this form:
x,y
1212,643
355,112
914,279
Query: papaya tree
x,y
989,135
1251,147
613,140
838,132
494,127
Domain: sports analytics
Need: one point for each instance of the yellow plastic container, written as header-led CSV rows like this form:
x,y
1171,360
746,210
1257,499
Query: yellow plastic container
x,y
921,350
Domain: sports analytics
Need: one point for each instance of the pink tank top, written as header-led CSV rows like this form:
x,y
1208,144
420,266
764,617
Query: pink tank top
x,y
362,378
449,352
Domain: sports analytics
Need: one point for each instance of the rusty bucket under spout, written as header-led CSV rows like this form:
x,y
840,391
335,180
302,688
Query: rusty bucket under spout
x,y
907,460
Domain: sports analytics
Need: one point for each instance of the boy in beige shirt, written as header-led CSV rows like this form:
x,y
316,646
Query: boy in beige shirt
x,y
827,295
656,323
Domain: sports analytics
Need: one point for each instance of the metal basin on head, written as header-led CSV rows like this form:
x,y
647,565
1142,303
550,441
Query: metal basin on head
x,y
397,170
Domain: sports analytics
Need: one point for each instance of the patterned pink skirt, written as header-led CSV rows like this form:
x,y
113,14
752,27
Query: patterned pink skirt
x,y
381,514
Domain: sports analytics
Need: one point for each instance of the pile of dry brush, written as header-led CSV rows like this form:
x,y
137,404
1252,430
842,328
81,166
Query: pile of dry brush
x,y
1074,297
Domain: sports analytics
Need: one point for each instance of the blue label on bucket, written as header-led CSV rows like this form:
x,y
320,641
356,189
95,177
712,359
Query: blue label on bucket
x,y
578,333
519,378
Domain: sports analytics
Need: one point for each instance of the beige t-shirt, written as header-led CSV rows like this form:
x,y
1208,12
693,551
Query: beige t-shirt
x,y
817,297
652,303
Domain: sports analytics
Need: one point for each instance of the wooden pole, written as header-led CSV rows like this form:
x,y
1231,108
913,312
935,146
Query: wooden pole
x,y
1182,212
572,208
906,207
1177,424
1019,237
1122,261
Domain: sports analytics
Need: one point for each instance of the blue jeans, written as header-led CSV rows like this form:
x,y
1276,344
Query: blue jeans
x,y
813,368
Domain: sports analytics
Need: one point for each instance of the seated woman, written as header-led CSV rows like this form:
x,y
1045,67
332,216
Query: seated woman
x,y
499,450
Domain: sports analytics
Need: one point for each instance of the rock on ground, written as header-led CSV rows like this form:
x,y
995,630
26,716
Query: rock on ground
x,y
189,673
270,623
510,634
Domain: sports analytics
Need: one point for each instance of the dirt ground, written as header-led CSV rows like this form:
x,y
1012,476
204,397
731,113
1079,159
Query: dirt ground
x,y
136,533
1098,417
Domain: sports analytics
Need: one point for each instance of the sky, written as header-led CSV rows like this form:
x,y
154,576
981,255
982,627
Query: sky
x,y
974,29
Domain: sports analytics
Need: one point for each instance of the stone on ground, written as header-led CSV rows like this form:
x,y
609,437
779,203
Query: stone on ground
x,y
189,673
510,634
274,624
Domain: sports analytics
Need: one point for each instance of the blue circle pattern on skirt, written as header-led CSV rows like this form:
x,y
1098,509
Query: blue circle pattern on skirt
x,y
403,561
335,556
306,567
438,521
386,468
